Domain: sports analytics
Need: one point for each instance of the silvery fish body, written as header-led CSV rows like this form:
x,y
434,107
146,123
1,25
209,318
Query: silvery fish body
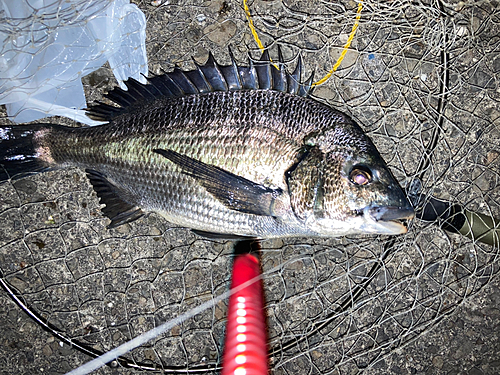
x,y
227,151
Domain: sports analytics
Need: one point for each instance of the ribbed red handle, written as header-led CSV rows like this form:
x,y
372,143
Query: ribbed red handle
x,y
245,348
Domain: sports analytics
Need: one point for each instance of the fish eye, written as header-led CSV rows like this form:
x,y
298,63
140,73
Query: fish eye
x,y
360,175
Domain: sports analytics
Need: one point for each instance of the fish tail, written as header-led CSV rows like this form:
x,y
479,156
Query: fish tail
x,y
22,152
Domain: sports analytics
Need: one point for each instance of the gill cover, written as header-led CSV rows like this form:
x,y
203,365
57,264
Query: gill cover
x,y
305,184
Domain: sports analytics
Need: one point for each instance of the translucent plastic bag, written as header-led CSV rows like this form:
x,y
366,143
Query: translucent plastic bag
x,y
48,45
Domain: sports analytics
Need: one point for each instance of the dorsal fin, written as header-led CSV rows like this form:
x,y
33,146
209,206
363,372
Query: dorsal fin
x,y
262,74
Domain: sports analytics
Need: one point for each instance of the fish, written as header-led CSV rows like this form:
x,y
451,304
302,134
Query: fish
x,y
228,151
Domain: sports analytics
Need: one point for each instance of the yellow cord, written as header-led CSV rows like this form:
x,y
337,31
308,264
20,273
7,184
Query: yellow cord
x,y
252,27
342,55
346,46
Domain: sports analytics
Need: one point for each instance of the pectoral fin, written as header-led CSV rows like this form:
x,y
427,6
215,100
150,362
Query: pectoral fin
x,y
235,192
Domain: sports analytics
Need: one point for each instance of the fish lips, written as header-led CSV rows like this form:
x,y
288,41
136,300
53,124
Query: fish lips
x,y
389,219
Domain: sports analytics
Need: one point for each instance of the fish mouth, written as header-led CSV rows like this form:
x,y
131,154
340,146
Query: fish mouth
x,y
390,213
389,219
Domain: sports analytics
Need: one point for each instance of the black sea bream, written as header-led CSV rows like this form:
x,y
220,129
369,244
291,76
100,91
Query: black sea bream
x,y
226,151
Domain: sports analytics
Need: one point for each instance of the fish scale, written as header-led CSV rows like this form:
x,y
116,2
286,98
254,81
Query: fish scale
x,y
228,151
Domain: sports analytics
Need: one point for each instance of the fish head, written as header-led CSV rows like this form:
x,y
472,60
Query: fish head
x,y
348,190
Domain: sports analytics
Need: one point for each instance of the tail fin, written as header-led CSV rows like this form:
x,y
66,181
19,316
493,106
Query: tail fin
x,y
19,152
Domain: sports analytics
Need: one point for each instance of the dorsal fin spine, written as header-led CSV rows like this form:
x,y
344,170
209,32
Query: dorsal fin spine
x,y
172,84
280,81
305,88
205,80
254,79
184,82
212,68
235,69
264,73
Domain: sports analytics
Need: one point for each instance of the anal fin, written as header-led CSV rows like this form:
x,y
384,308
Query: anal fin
x,y
117,209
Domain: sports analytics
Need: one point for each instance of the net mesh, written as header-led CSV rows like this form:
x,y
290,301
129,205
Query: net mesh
x,y
421,78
